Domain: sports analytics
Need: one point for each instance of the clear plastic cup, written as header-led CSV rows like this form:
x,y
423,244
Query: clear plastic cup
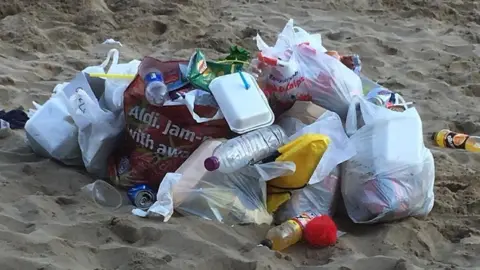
x,y
103,194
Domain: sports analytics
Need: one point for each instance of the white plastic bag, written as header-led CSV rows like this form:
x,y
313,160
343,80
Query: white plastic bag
x,y
234,198
112,59
193,97
299,69
322,192
114,88
339,150
319,199
163,206
392,175
51,131
98,131
288,35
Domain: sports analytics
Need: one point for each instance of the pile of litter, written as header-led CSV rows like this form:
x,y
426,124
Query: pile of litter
x,y
279,136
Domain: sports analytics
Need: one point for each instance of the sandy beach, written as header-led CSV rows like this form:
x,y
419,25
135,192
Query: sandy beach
x,y
428,51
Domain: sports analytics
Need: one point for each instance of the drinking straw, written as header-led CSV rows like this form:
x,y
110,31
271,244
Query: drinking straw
x,y
247,86
233,61
112,76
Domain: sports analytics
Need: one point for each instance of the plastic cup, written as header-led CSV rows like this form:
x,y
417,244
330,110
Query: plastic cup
x,y
103,194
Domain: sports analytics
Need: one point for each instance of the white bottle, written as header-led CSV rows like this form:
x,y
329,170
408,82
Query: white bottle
x,y
246,149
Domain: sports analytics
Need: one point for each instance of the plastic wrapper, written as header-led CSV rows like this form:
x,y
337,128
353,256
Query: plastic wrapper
x,y
306,151
392,175
200,72
323,191
339,150
98,131
234,198
320,198
299,69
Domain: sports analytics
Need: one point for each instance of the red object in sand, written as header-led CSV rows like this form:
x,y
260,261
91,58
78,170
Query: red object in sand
x,y
321,231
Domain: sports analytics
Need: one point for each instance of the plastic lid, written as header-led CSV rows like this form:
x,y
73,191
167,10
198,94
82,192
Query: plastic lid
x,y
212,163
242,117
267,243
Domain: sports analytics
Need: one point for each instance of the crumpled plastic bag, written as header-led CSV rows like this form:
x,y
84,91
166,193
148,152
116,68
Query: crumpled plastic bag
x,y
98,131
339,150
234,198
322,193
392,175
319,199
297,68
51,130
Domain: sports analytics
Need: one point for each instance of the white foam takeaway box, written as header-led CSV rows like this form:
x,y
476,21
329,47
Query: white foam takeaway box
x,y
245,109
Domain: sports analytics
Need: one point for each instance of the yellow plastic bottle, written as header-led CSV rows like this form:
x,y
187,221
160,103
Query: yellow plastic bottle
x,y
449,139
287,234
306,152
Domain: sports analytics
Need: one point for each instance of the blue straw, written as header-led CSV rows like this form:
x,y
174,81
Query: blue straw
x,y
247,86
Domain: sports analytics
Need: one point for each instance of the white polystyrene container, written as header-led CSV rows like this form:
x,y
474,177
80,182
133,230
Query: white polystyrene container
x,y
244,109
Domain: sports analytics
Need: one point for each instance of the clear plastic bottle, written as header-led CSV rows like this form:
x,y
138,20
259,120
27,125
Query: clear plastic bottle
x,y
156,92
288,233
246,149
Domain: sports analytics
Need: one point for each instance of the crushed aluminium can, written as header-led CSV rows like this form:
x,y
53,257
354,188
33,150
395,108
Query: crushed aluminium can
x,y
142,196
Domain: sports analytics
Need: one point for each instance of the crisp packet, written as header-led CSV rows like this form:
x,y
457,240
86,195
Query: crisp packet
x,y
201,72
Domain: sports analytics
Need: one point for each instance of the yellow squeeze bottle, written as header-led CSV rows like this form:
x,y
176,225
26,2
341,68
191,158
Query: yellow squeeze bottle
x,y
306,152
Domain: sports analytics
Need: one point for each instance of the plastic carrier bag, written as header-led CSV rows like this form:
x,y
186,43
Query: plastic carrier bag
x,y
234,198
115,87
98,131
392,175
297,68
52,131
319,199
320,196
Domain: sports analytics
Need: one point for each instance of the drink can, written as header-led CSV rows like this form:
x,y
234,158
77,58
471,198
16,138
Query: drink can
x,y
141,196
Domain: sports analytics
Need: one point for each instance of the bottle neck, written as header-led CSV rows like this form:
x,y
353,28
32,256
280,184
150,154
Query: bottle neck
x,y
303,219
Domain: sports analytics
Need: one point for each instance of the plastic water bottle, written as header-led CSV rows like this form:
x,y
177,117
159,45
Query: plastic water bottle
x,y
288,233
246,149
156,92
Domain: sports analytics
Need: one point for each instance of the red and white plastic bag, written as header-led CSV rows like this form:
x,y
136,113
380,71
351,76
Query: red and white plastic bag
x,y
297,68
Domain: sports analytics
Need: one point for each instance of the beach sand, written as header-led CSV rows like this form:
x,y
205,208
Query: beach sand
x,y
426,50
